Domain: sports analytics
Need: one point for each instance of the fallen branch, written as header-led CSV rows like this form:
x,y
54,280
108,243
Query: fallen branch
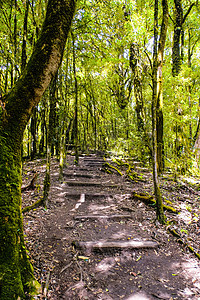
x,y
132,244
67,266
149,200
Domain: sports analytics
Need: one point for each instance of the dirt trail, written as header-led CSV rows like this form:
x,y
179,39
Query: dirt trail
x,y
90,207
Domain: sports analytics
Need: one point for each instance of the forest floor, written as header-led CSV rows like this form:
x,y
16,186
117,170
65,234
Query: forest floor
x,y
84,245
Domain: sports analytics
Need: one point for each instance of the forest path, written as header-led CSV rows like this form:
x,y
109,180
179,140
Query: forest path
x,y
84,245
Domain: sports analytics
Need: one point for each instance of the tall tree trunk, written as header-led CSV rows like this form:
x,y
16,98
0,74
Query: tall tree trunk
x,y
159,203
34,134
63,137
43,131
178,38
24,56
76,103
159,116
138,93
176,49
16,273
50,135
15,42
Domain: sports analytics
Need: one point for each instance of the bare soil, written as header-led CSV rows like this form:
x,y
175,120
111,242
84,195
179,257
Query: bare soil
x,y
66,271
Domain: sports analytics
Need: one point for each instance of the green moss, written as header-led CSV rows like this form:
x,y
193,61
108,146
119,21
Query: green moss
x,y
10,282
16,272
170,209
197,255
107,165
168,202
148,199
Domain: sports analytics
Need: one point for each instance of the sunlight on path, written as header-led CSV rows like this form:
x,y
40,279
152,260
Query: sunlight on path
x,y
80,201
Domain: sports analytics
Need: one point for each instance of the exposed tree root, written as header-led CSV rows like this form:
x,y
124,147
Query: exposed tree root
x,y
36,204
149,200
130,173
107,166
182,242
31,185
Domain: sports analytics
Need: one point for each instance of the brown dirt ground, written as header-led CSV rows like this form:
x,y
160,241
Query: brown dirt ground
x,y
65,272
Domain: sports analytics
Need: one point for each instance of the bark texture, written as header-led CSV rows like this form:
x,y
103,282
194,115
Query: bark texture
x,y
16,273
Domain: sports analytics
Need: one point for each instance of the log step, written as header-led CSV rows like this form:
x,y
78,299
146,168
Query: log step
x,y
88,195
82,183
78,175
93,160
94,164
102,217
103,245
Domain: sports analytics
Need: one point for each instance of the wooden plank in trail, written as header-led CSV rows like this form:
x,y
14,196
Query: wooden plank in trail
x,y
103,245
127,216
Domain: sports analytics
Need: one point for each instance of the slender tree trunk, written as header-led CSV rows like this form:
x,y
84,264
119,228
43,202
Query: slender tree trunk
x,y
50,135
190,52
16,273
159,116
76,103
63,137
24,56
15,42
176,52
138,93
43,126
158,197
178,38
34,134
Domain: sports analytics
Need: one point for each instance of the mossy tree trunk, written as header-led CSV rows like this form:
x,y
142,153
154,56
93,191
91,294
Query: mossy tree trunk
x,y
16,273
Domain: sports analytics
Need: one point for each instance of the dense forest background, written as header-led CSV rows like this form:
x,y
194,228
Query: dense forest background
x,y
126,83
102,95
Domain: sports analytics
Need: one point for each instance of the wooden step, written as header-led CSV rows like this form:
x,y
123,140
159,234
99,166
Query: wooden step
x,y
88,196
97,184
90,217
118,244
94,164
82,183
78,175
93,159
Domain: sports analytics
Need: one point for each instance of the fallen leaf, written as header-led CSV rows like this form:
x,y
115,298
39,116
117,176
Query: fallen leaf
x,y
139,258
